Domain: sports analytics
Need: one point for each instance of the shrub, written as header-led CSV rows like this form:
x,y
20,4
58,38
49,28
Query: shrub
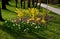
x,y
22,26
30,20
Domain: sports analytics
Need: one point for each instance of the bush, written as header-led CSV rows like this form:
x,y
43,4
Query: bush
x,y
23,26
30,20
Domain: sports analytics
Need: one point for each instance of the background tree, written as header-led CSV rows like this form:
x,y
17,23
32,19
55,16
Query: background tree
x,y
24,4
59,1
33,2
40,3
16,3
1,19
21,3
7,2
36,3
3,4
29,3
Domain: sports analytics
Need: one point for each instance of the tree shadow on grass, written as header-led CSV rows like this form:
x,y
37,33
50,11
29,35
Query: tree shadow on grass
x,y
12,5
12,33
19,35
10,11
38,36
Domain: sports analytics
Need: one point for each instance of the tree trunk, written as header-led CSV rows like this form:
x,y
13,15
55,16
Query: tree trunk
x,y
24,4
40,3
7,2
36,3
21,3
33,2
53,2
29,3
59,1
3,4
1,19
16,3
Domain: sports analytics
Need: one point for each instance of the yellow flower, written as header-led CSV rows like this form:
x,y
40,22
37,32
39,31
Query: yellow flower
x,y
33,10
43,16
20,13
38,19
44,12
36,12
43,21
28,20
28,11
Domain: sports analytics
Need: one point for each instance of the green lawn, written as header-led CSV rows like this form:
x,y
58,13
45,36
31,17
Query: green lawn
x,y
52,31
55,5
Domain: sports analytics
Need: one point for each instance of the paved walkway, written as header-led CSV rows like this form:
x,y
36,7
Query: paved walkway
x,y
55,10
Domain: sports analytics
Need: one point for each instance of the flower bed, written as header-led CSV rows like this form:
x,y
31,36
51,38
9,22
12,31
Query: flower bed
x,y
30,20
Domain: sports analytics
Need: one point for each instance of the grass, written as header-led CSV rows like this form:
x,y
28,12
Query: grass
x,y
52,31
55,5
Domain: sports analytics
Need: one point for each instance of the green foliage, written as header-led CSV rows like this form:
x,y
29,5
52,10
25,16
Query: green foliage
x,y
23,26
55,5
51,32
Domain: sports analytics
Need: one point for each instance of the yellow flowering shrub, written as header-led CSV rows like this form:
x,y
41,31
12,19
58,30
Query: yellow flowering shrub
x,y
32,14
38,19
28,12
20,13
43,16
